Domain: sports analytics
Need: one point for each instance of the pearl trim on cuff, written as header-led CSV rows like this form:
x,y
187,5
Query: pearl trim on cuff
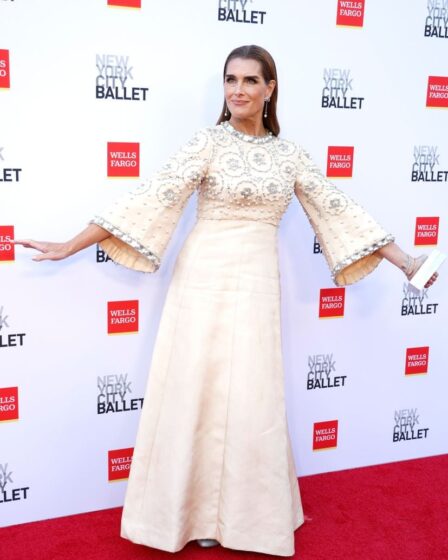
x,y
360,254
127,239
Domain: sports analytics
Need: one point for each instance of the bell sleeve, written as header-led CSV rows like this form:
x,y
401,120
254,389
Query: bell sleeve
x,y
143,221
348,235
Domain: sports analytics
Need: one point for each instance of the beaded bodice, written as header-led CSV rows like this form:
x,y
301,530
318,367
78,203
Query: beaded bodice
x,y
248,177
241,177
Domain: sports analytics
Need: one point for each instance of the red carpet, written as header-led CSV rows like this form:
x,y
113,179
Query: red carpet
x,y
397,511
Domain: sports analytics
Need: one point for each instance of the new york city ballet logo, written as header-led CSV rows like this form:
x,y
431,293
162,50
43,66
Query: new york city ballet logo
x,y
114,77
123,159
426,230
406,425
5,81
417,360
437,92
337,90
125,3
122,317
9,493
7,247
8,340
426,166
9,404
414,303
8,174
240,11
340,161
325,435
331,302
350,13
102,256
119,463
317,249
322,373
114,394
436,21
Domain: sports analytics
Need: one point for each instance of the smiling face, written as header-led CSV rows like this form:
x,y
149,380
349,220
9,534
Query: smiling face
x,y
245,89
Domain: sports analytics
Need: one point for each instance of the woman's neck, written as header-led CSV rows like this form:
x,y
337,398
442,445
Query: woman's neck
x,y
252,127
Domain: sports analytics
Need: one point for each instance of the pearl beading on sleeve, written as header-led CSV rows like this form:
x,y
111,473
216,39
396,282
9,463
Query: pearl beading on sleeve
x,y
242,177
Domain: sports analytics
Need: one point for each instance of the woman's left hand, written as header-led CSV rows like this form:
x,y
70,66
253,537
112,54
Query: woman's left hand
x,y
417,263
431,281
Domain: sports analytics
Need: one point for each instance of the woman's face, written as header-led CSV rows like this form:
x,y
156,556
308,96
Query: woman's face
x,y
245,89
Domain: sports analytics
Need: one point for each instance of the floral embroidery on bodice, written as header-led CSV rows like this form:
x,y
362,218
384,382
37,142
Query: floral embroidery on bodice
x,y
241,177
247,179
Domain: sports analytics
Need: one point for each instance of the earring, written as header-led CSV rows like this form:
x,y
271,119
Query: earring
x,y
266,101
226,112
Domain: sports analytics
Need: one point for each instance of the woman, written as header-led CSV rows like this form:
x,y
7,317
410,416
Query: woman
x,y
213,459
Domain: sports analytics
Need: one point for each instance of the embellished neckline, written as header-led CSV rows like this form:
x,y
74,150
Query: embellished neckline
x,y
247,137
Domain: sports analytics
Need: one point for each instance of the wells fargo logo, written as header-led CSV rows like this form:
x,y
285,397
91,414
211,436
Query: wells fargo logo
x,y
125,3
122,317
417,360
437,92
332,302
350,13
340,161
426,230
325,435
119,463
4,69
7,253
123,159
9,404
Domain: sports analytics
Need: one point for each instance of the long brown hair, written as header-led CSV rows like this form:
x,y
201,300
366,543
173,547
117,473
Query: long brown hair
x,y
269,71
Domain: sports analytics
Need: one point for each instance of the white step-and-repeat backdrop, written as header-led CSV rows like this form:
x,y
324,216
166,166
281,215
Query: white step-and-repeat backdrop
x,y
94,96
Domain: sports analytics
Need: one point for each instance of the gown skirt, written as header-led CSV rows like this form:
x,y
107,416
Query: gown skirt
x,y
213,456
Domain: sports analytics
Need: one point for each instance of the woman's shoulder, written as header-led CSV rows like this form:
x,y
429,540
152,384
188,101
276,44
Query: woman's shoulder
x,y
287,146
210,130
202,139
208,134
213,135
295,147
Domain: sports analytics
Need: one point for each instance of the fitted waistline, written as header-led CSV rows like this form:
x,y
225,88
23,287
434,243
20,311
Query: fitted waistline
x,y
236,221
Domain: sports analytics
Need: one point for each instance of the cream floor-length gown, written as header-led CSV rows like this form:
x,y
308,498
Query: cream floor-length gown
x,y
213,456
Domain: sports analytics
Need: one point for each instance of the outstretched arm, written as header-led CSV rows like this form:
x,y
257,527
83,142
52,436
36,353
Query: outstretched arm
x,y
135,230
352,241
405,262
57,251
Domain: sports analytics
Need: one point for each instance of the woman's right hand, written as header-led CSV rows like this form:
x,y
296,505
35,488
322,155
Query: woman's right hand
x,y
57,251
49,251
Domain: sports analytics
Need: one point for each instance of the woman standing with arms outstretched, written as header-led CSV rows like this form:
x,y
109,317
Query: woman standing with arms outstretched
x,y
213,459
